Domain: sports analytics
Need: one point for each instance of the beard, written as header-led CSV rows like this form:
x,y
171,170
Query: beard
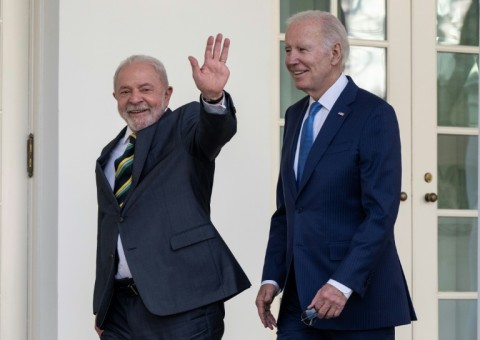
x,y
140,116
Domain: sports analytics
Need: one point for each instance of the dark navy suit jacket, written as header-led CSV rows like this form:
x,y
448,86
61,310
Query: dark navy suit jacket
x,y
176,256
338,222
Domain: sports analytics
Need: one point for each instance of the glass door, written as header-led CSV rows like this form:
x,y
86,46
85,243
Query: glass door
x,y
445,129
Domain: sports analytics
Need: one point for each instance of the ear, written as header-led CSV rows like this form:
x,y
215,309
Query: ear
x,y
337,54
168,92
114,96
167,95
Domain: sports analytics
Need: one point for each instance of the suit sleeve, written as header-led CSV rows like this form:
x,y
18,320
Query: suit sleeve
x,y
380,180
206,133
274,267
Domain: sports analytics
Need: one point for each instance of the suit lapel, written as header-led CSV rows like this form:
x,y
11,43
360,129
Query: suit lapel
x,y
150,141
142,145
103,183
105,154
337,115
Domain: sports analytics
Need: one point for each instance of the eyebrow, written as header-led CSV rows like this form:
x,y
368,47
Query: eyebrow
x,y
129,87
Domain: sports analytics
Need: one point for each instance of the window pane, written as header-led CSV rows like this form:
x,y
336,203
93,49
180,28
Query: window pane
x,y
290,7
457,22
457,87
457,172
457,319
457,254
367,66
288,92
364,19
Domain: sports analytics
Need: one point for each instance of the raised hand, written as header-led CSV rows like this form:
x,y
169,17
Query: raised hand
x,y
212,76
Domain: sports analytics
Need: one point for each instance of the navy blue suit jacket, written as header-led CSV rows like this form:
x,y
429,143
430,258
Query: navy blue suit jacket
x,y
339,221
176,256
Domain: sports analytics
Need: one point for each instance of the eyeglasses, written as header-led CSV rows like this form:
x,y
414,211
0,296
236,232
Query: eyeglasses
x,y
309,316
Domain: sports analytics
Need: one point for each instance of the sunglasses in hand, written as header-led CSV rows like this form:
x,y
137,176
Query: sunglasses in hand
x,y
309,316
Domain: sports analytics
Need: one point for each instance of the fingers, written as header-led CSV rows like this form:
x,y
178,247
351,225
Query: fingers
x,y
208,48
328,311
98,330
215,50
264,299
194,64
270,321
212,76
225,48
329,302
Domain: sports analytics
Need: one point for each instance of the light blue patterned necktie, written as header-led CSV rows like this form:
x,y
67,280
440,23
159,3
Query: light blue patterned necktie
x,y
306,140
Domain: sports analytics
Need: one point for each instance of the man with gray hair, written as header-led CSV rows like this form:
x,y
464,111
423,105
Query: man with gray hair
x,y
162,270
331,247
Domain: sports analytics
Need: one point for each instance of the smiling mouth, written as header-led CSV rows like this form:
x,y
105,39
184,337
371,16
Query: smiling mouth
x,y
137,111
297,73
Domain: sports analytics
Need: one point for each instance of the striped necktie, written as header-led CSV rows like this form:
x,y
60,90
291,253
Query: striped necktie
x,y
123,171
306,140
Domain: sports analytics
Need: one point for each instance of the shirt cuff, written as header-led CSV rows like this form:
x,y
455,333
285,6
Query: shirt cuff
x,y
216,109
344,289
271,282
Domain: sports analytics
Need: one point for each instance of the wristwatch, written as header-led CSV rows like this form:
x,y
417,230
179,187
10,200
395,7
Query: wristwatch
x,y
213,101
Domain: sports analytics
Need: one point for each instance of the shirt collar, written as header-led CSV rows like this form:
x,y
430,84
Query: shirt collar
x,y
330,97
124,139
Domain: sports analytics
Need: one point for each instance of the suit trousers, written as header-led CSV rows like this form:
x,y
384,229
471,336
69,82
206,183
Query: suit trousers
x,y
128,318
290,326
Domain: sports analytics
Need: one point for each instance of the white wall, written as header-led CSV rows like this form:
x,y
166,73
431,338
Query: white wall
x,y
94,36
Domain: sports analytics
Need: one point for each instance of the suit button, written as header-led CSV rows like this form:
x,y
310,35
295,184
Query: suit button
x,y
120,219
112,256
299,210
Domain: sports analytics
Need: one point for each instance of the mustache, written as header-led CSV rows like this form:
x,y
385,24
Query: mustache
x,y
137,108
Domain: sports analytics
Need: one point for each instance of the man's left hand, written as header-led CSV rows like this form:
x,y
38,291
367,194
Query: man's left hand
x,y
212,76
328,302
98,330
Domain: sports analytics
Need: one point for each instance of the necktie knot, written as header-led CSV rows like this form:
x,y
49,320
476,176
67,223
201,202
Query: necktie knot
x,y
132,138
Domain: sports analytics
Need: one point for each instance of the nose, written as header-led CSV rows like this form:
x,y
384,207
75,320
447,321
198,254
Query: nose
x,y
290,58
135,97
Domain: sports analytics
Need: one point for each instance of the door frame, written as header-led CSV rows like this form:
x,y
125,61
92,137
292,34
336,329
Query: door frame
x,y
399,61
43,268
424,109
14,232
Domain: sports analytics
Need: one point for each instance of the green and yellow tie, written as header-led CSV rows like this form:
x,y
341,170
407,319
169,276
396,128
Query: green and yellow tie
x,y
123,171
